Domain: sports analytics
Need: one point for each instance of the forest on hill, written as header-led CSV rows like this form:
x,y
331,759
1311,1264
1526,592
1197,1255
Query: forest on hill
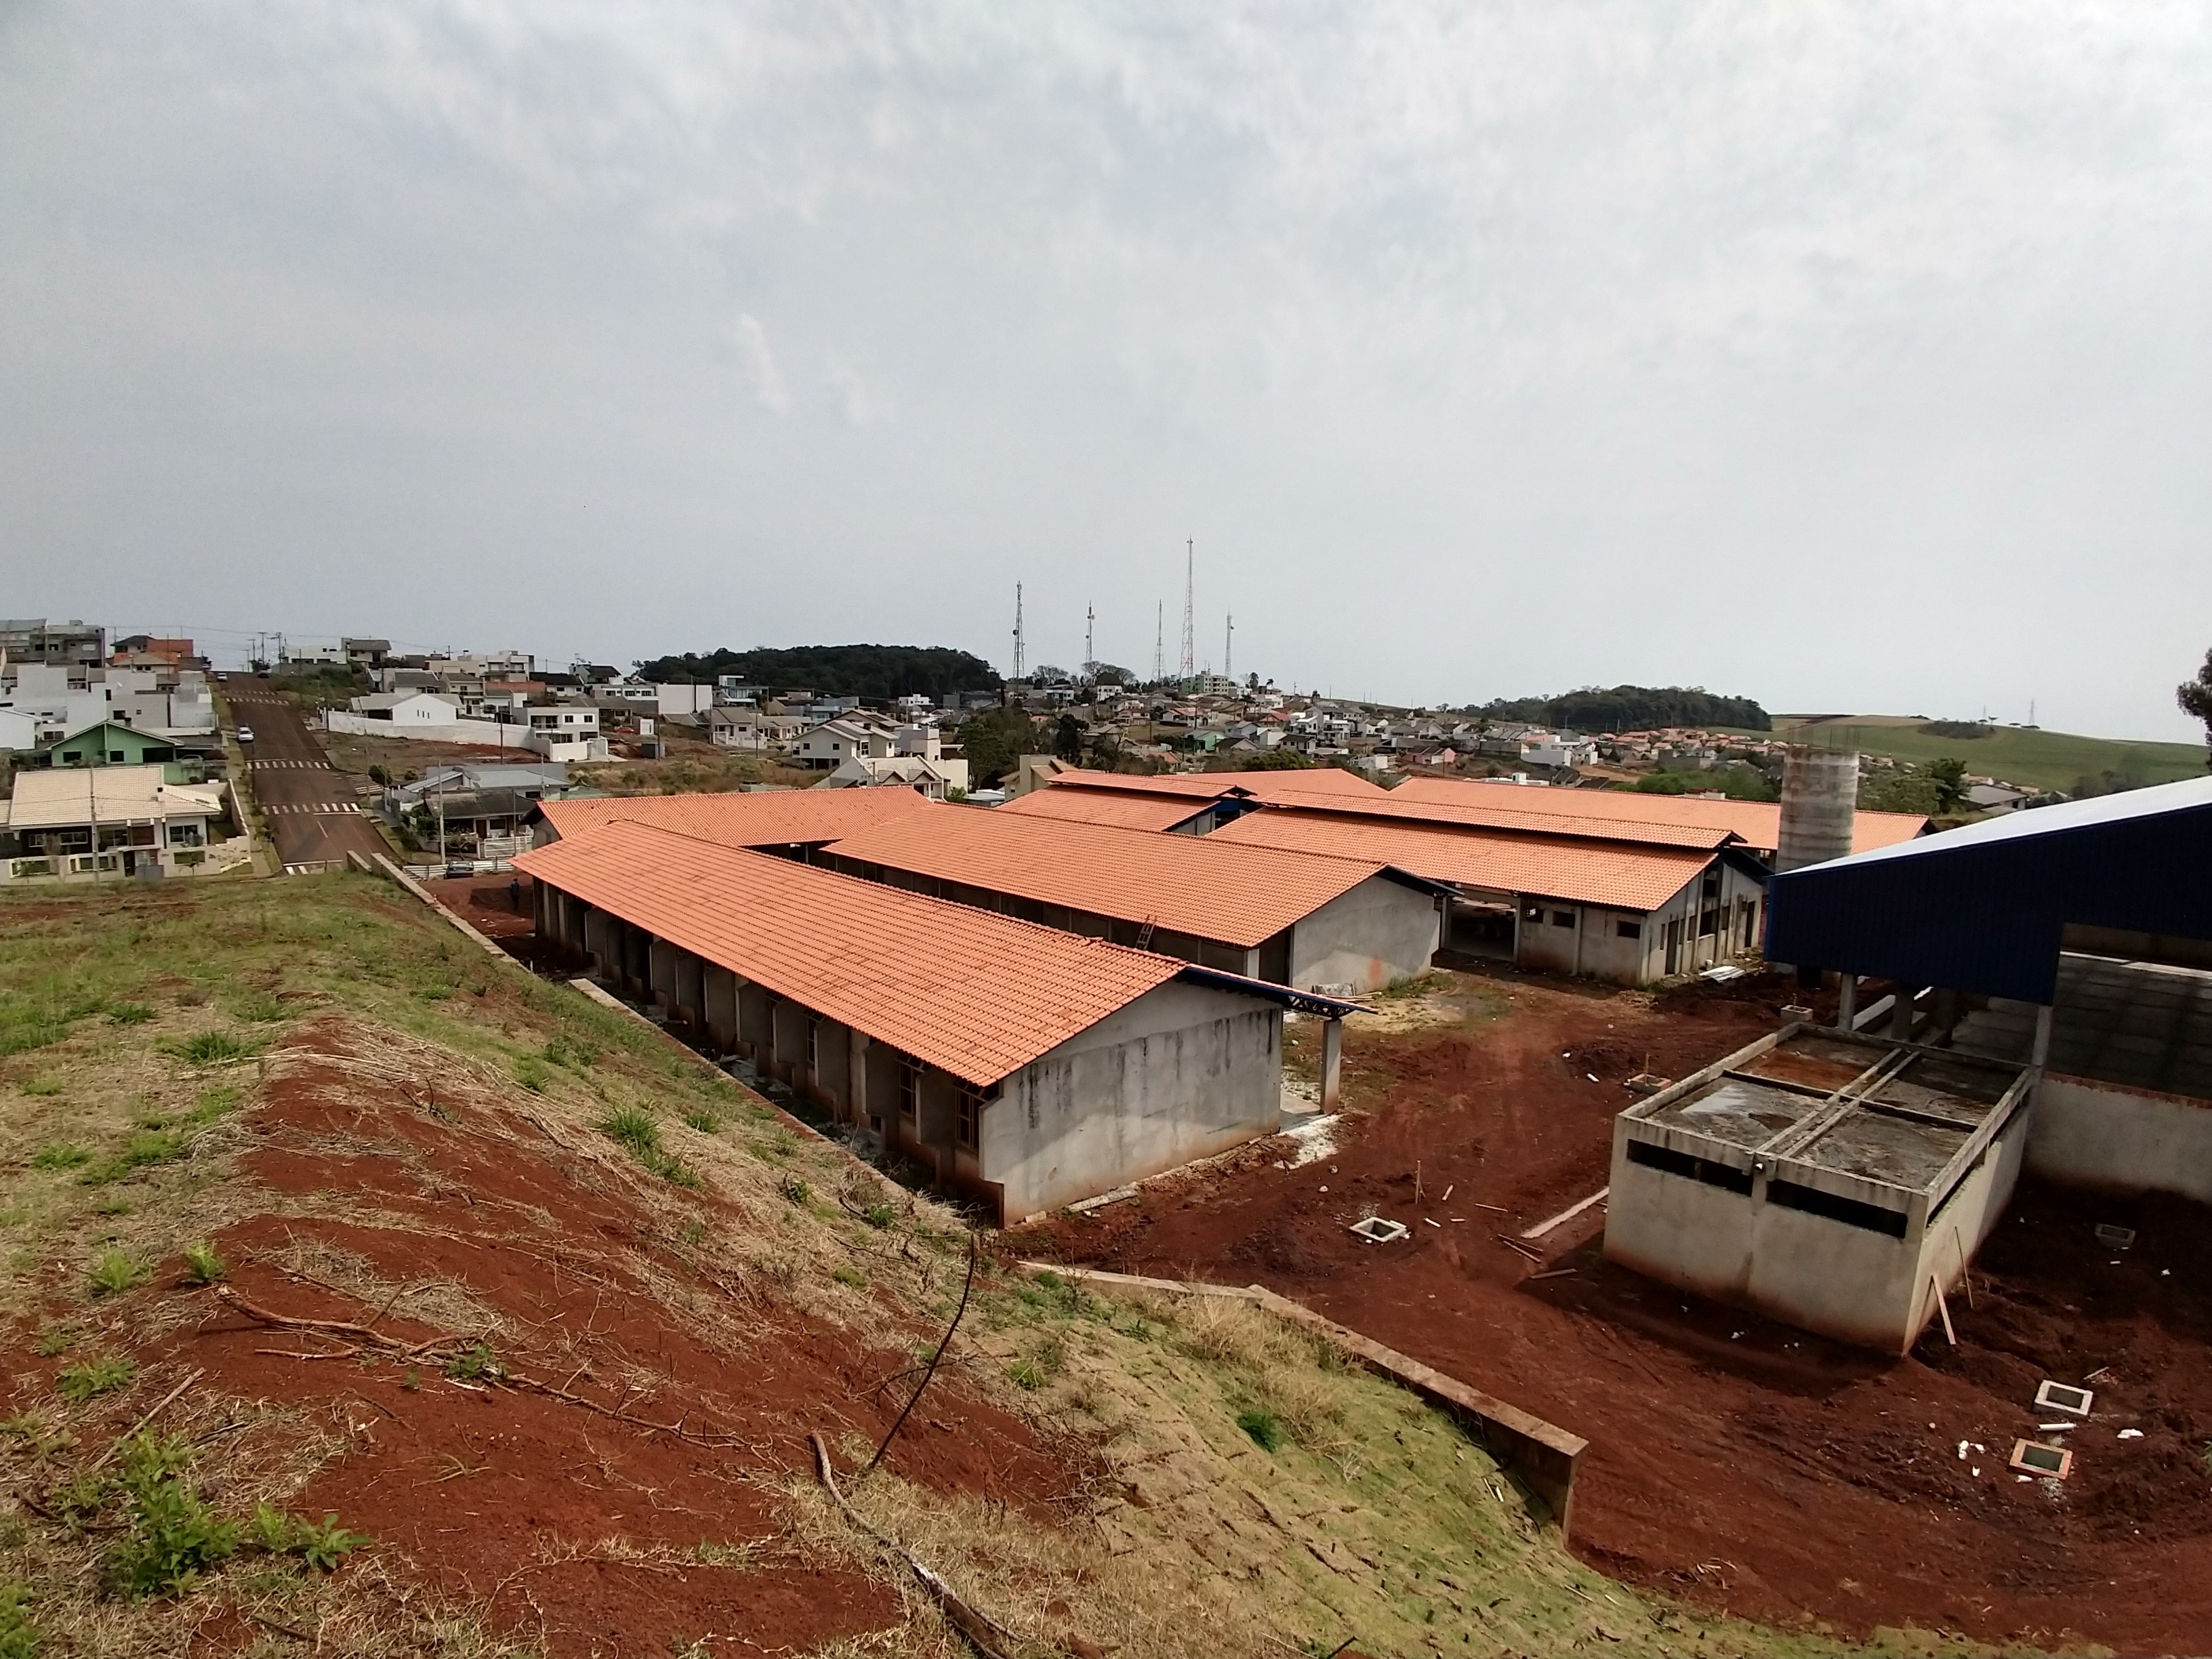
x,y
846,670
1630,709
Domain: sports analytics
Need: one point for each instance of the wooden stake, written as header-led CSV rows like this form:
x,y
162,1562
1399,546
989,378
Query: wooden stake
x,y
1943,1308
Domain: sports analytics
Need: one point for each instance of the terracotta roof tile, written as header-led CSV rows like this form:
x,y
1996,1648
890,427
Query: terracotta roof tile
x,y
1530,820
764,817
1264,784
1107,807
1626,876
1759,823
1240,894
976,994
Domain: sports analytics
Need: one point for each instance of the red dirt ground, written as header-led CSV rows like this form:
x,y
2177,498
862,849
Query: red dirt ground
x,y
1736,1462
521,1506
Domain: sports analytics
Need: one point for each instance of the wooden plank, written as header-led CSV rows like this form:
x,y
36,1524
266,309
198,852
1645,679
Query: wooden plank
x,y
1567,1215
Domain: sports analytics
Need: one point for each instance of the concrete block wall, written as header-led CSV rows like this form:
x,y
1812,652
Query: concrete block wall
x,y
1380,931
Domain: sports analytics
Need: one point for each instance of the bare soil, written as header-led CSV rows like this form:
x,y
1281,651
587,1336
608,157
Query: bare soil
x,y
643,1512
1737,1463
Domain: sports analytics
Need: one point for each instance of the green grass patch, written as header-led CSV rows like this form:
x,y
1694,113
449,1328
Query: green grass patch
x,y
59,1156
90,1378
44,1087
20,1636
635,1129
1264,1427
129,1014
705,1118
529,1072
115,1272
210,1048
2037,760
171,1536
852,1276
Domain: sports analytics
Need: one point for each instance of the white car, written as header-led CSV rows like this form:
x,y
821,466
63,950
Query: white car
x,y
246,734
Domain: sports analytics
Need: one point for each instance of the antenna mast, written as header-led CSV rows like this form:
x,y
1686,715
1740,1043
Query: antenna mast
x,y
1021,661
1189,582
1228,649
1090,643
1160,641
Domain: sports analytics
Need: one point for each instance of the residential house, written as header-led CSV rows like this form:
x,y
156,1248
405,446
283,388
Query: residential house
x,y
834,742
110,743
93,822
38,640
411,708
367,654
939,779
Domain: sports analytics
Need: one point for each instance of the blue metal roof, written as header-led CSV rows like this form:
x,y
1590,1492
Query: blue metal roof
x,y
1982,909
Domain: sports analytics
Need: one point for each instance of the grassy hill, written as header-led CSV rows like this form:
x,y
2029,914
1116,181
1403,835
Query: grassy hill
x,y
2032,759
369,1296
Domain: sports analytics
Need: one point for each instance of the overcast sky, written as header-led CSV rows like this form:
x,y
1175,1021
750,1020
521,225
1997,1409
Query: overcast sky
x,y
1853,357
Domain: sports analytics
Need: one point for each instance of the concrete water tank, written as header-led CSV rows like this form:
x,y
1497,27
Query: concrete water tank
x,y
1820,795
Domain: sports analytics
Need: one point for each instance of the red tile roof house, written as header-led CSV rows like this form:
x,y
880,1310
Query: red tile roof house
x,y
1026,1066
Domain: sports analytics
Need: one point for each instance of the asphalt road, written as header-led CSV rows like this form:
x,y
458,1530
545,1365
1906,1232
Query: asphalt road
x,y
314,813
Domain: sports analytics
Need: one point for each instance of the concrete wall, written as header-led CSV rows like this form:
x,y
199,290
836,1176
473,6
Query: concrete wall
x,y
1380,931
2105,1134
1848,1282
1181,1073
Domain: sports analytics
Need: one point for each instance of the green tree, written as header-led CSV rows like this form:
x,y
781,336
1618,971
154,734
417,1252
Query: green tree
x,y
994,741
1068,740
2194,697
1950,777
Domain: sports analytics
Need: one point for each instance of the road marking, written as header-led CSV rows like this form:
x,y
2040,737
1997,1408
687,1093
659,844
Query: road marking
x,y
321,808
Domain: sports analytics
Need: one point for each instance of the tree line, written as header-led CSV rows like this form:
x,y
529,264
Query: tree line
x,y
1629,708
879,672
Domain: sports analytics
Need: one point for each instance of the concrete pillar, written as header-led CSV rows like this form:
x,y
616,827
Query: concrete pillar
x,y
718,988
1847,1002
1900,1016
691,987
754,1017
661,971
2040,1054
856,1075
1331,1064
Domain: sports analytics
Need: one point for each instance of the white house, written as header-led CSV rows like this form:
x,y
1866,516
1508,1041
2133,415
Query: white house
x,y
408,707
835,742
937,779
87,822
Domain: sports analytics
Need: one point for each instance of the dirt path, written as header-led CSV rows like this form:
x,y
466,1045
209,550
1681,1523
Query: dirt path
x,y
1736,1463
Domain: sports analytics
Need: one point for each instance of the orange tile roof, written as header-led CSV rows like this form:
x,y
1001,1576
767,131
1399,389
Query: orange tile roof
x,y
1626,876
974,994
1511,815
765,818
1264,784
1109,806
1759,823
1239,895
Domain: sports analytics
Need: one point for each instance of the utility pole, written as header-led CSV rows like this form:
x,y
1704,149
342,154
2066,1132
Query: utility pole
x,y
1228,650
1189,584
1020,658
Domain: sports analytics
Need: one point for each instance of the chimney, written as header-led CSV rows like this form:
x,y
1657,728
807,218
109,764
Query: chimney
x,y
1820,796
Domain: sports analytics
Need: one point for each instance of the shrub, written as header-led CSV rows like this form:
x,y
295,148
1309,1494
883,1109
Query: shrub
x,y
116,1271
89,1378
475,1363
202,1265
171,1536
321,1548
1265,1428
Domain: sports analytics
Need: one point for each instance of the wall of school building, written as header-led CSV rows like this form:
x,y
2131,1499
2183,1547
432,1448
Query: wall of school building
x,y
1182,1072
1717,915
1361,941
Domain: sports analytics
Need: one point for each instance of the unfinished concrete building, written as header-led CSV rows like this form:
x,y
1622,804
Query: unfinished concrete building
x,y
2054,1015
1341,924
1839,1182
1021,1064
2076,938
